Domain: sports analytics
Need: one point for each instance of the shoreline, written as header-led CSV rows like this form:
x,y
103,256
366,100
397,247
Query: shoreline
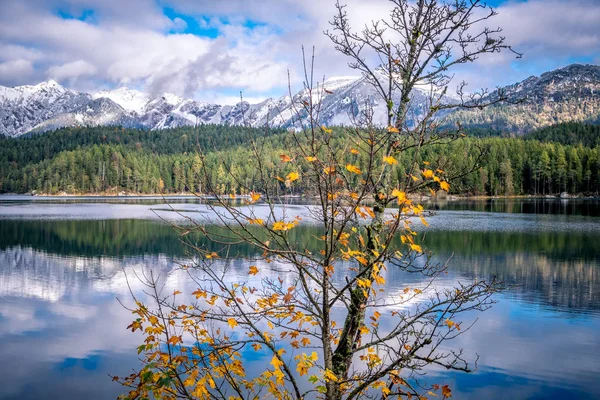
x,y
445,197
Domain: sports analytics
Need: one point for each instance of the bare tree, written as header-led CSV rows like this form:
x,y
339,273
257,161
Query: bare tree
x,y
326,316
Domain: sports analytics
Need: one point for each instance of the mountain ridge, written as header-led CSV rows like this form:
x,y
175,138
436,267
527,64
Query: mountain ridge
x,y
571,93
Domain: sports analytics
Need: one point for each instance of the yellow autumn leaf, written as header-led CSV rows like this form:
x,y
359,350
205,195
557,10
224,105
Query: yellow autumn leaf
x,y
353,168
393,129
325,129
416,248
255,221
285,158
254,196
444,186
330,376
292,176
253,270
276,363
354,151
390,160
232,323
310,158
329,170
427,174
400,195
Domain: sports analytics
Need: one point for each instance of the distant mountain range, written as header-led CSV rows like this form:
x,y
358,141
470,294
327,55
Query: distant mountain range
x,y
566,94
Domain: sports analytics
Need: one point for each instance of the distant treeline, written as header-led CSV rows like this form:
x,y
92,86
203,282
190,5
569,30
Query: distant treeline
x,y
564,157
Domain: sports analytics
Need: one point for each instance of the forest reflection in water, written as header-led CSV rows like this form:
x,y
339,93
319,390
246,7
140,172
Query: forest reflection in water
x,y
60,323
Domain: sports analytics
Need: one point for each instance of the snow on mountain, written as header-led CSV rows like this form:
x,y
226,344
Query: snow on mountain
x,y
556,95
22,108
129,99
48,106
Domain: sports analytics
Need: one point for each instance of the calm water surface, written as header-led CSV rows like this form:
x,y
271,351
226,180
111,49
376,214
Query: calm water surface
x,y
63,264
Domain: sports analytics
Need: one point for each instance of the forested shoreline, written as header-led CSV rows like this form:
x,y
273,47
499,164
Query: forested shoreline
x,y
109,160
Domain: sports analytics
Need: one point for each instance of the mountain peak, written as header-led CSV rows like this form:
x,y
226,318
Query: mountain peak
x,y
129,99
49,83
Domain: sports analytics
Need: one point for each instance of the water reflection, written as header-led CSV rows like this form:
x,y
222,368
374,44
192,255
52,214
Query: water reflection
x,y
62,330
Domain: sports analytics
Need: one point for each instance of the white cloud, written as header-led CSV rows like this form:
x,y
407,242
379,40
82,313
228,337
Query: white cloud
x,y
16,72
130,43
71,70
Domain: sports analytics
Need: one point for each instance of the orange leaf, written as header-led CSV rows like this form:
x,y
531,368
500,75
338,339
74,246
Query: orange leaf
x,y
285,158
174,340
254,196
329,170
446,392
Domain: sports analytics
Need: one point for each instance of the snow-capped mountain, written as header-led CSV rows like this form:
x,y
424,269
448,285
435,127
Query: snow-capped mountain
x,y
23,108
48,106
128,99
569,93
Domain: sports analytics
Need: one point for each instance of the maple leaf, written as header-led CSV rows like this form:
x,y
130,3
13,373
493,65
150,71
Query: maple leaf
x,y
292,176
390,160
285,158
446,392
400,195
253,270
353,168
329,170
232,322
174,340
428,174
254,196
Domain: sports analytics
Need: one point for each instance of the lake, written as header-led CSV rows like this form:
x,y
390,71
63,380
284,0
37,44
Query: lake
x,y
64,262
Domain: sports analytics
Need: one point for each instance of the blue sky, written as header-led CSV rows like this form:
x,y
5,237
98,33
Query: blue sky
x,y
212,50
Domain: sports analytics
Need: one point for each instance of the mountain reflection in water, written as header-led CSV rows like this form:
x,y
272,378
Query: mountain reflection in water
x,y
63,331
